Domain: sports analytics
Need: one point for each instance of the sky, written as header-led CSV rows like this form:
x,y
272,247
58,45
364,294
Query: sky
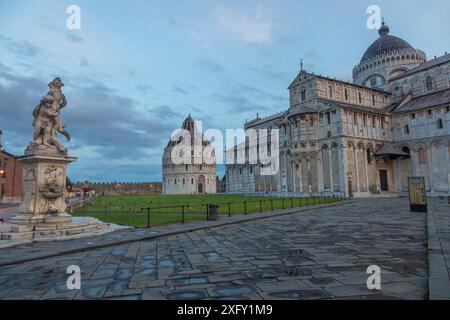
x,y
136,69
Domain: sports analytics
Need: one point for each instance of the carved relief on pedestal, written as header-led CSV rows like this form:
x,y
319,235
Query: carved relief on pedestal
x,y
51,189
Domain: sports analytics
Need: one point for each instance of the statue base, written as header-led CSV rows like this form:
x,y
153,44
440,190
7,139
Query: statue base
x,y
48,230
42,213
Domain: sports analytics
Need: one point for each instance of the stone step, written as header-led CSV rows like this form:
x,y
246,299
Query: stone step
x,y
65,232
21,228
17,236
64,226
5,228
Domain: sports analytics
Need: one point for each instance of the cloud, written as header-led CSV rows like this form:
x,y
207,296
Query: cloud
x,y
185,90
210,66
97,116
268,71
164,112
242,98
84,63
20,48
69,35
144,88
254,30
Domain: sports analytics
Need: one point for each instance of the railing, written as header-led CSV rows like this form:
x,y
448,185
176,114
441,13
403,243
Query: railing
x,y
143,216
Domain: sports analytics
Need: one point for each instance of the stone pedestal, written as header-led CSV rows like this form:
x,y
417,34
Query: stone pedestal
x,y
44,186
42,214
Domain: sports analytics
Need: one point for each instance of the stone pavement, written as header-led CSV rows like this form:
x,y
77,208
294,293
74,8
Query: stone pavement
x,y
24,251
318,254
439,250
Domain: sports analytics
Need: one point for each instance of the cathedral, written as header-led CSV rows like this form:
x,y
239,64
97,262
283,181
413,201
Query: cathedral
x,y
361,138
189,162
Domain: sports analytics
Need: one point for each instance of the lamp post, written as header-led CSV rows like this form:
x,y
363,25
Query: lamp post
x,y
2,177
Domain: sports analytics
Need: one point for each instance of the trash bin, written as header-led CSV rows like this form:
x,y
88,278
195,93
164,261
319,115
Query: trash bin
x,y
213,210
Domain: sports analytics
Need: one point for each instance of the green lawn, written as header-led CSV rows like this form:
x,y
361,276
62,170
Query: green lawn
x,y
126,210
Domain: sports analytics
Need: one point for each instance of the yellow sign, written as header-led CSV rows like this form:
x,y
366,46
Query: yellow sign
x,y
417,194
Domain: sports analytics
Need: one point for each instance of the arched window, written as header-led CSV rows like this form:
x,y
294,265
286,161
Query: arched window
x,y
346,93
421,155
406,150
373,82
360,97
330,91
429,83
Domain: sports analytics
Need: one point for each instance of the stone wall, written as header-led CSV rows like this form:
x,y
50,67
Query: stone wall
x,y
117,189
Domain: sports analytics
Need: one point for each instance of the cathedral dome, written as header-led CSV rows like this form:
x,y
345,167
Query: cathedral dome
x,y
385,44
386,58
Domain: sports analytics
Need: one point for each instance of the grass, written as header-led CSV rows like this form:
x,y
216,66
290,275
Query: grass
x,y
126,210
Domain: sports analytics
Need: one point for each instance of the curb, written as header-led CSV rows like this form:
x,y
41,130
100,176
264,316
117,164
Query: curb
x,y
438,277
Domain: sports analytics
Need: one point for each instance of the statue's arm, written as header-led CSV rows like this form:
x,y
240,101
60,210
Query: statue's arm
x,y
63,102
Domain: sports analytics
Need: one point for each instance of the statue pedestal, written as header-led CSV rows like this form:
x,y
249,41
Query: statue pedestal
x,y
42,214
44,186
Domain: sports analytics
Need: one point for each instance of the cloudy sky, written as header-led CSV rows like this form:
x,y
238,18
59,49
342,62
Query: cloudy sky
x,y
137,68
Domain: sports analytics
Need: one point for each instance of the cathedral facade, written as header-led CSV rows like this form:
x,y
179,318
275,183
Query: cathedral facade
x,y
365,137
194,169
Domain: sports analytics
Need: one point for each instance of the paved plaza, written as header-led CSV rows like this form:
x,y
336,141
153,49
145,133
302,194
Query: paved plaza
x,y
321,253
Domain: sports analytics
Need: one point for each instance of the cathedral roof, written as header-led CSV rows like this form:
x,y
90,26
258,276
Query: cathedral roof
x,y
385,44
436,99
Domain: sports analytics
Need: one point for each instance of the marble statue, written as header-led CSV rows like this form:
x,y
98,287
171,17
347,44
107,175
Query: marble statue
x,y
47,118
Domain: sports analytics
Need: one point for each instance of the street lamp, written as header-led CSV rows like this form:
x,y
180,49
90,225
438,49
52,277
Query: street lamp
x,y
2,177
3,167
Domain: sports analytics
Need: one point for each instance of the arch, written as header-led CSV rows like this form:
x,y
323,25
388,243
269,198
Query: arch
x,y
201,184
360,146
438,166
397,71
437,143
405,148
421,155
419,145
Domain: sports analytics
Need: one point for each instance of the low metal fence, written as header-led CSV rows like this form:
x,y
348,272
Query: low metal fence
x,y
146,216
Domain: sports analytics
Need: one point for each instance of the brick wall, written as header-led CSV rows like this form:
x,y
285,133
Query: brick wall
x,y
11,180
